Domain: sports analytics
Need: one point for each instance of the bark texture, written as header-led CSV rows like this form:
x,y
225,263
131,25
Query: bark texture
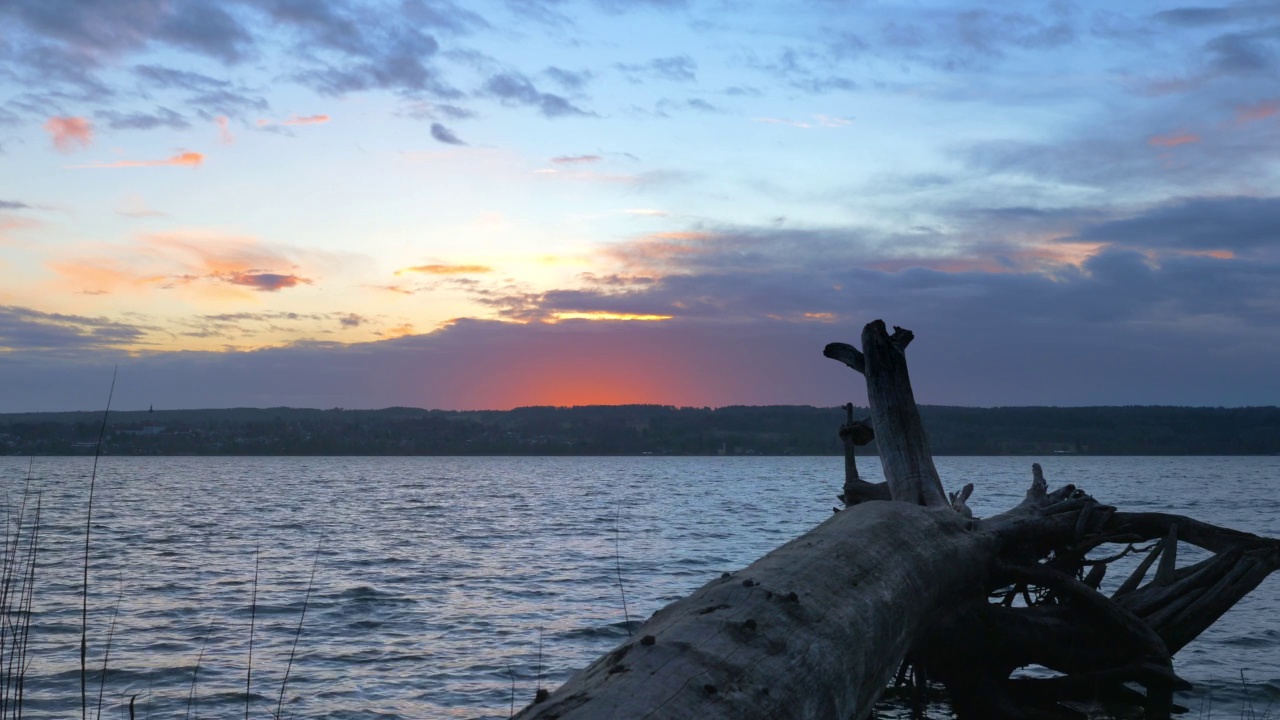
x,y
815,629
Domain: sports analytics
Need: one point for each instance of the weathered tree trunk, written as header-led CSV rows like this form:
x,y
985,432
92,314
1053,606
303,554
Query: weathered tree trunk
x,y
818,627
814,629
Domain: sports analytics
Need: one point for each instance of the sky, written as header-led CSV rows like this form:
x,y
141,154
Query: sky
x,y
485,205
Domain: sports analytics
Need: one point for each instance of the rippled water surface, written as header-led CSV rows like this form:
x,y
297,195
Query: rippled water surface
x,y
441,582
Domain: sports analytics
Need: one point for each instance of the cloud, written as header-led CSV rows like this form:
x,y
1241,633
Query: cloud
x,y
162,117
445,135
224,130
31,330
740,314
570,80
819,121
183,159
808,70
265,281
305,120
422,110
1173,139
363,50
665,105
1196,17
512,88
194,261
677,68
280,126
1257,111
94,32
69,134
251,327
446,269
1238,224
575,159
13,205
135,206
212,97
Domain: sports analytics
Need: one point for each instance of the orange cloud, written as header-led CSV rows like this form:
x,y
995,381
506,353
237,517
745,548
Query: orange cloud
x,y
1260,111
296,120
397,331
69,133
15,222
306,120
650,253
224,130
1173,139
169,261
186,159
446,269
1215,254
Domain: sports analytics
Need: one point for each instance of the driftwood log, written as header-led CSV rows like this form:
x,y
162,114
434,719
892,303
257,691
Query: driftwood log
x,y
904,582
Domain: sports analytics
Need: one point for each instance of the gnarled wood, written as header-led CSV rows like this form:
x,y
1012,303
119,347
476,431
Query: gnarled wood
x,y
855,433
817,628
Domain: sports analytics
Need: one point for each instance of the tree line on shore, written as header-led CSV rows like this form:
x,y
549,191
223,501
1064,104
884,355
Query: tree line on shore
x,y
639,429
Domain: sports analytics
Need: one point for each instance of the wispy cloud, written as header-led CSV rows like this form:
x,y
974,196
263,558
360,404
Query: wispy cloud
x,y
280,126
1258,111
818,121
1173,139
305,120
162,117
441,269
575,159
224,130
184,260
183,159
28,330
135,206
69,134
677,68
512,88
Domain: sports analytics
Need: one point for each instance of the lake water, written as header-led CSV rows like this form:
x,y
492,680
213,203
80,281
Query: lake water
x,y
441,582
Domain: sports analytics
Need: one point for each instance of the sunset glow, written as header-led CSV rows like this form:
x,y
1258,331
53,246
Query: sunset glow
x,y
391,202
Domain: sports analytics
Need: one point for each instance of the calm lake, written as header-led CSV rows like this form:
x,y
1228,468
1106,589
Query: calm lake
x,y
440,582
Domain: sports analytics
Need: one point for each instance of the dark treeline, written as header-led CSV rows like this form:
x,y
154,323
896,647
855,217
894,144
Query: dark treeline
x,y
638,429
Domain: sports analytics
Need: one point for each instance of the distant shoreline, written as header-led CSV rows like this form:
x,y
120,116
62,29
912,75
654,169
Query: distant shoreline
x,y
638,430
